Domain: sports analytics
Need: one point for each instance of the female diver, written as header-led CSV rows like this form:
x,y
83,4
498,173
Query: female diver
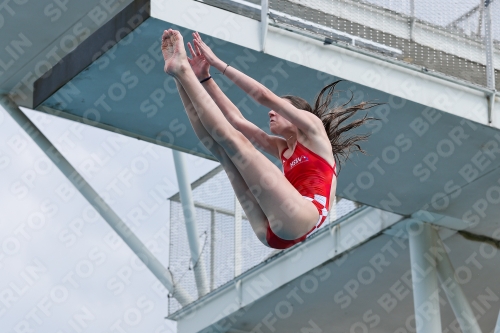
x,y
283,208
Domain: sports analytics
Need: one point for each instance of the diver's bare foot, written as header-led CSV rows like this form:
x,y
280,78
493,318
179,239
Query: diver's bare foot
x,y
174,53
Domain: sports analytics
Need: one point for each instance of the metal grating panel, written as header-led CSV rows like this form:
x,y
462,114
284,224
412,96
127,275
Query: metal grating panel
x,y
432,35
439,35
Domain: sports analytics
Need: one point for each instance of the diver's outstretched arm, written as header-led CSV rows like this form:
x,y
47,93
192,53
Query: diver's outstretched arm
x,y
268,143
308,123
201,69
255,89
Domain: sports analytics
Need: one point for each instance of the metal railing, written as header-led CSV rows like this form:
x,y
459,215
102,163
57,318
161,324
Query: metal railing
x,y
454,39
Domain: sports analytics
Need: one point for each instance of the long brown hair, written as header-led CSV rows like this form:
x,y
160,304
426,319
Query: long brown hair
x,y
332,118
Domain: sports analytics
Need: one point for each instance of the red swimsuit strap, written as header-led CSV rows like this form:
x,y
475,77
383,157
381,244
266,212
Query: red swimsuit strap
x,y
310,151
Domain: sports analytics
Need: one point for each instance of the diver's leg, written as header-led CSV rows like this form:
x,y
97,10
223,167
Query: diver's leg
x,y
253,212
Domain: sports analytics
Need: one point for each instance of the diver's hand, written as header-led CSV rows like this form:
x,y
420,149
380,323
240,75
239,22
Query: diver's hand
x,y
209,55
199,64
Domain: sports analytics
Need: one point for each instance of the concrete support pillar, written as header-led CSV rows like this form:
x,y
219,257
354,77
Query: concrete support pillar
x,y
454,292
497,327
424,278
189,212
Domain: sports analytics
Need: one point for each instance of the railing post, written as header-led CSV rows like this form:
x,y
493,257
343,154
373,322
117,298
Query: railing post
x,y
190,222
212,249
237,237
488,43
480,18
264,20
412,20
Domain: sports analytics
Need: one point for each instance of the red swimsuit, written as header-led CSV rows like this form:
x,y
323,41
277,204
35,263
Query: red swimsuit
x,y
312,176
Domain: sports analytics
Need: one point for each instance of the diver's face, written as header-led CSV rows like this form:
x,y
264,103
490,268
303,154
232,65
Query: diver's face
x,y
277,123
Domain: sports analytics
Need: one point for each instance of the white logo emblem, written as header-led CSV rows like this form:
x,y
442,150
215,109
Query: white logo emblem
x,y
298,160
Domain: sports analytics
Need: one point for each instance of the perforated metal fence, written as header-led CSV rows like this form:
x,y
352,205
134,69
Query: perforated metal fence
x,y
441,36
224,255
